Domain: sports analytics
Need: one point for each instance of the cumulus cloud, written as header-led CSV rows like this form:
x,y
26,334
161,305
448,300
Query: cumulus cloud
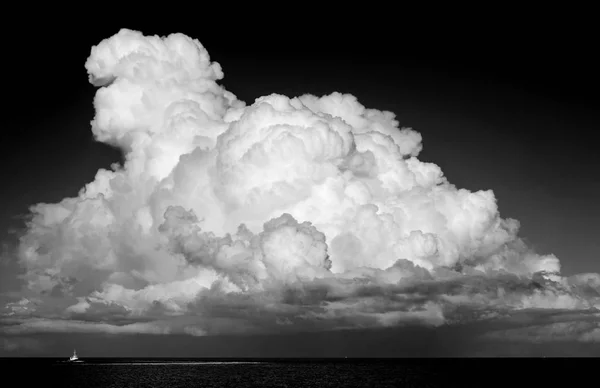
x,y
301,213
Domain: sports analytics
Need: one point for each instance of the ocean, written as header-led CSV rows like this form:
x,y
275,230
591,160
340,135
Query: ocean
x,y
185,373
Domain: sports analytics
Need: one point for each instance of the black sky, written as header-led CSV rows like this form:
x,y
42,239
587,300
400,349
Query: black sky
x,y
510,106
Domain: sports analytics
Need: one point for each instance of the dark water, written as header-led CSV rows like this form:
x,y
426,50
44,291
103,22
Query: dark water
x,y
121,373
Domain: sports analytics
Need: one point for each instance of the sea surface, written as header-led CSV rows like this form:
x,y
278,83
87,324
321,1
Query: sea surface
x,y
184,373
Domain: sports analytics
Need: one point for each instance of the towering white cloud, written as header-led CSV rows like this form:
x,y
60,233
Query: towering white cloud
x,y
305,212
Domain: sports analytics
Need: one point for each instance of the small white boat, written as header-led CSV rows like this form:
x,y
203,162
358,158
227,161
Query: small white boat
x,y
74,357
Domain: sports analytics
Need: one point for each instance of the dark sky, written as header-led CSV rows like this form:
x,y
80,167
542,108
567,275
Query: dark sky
x,y
510,106
458,341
